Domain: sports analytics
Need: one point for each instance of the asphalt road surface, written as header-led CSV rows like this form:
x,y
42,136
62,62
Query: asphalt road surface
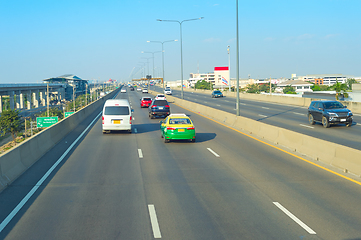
x,y
286,116
226,185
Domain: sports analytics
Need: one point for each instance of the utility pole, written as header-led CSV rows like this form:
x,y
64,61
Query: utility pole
x,y
270,86
74,98
47,98
229,70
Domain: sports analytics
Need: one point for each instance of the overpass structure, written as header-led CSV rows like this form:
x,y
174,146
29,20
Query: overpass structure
x,y
146,79
35,95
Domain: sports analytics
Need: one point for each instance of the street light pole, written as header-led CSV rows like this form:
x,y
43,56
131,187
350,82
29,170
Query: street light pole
x,y
229,69
163,55
181,43
237,105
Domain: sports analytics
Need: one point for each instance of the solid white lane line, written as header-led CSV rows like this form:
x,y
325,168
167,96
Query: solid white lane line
x,y
306,126
214,153
358,124
294,218
262,115
265,107
302,114
140,153
40,182
154,221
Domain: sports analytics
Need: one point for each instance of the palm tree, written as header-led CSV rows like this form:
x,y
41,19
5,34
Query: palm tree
x,y
340,89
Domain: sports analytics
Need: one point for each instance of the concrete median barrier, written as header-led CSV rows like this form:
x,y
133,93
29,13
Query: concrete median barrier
x,y
345,158
17,160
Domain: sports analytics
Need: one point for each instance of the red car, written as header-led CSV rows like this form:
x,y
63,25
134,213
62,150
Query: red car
x,y
145,102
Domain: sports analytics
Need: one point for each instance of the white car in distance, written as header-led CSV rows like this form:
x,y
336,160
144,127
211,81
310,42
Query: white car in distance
x,y
168,91
160,97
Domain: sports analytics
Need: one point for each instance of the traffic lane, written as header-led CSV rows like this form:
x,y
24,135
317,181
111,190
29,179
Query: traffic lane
x,y
17,191
252,105
290,118
323,200
97,193
197,196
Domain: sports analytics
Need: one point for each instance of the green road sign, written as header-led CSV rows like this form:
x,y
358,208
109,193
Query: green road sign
x,y
67,114
45,121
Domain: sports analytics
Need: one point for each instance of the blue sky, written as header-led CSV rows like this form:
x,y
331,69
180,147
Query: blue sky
x,y
98,40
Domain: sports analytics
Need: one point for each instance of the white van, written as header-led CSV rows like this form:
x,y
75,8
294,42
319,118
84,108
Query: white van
x,y
117,115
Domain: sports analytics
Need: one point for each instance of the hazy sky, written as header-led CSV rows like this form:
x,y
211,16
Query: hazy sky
x,y
98,40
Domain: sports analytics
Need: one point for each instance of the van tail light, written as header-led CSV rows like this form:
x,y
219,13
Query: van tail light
x,y
190,128
170,128
102,119
167,106
130,120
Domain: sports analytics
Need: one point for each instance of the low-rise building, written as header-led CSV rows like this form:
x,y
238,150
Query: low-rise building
x,y
299,85
325,79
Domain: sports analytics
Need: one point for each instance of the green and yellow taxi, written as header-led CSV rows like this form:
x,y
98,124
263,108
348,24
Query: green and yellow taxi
x,y
177,127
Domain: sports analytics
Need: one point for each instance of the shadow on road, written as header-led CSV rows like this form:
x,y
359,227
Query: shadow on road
x,y
204,137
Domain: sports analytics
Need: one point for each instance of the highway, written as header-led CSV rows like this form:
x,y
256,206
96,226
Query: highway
x,y
226,185
286,116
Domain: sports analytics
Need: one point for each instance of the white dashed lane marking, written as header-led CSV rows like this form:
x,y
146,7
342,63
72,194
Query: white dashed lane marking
x,y
214,153
154,221
306,126
140,153
294,218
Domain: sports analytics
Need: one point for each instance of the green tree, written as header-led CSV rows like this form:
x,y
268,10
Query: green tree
x,y
289,90
324,88
264,87
203,85
53,112
252,88
315,87
10,122
349,83
340,89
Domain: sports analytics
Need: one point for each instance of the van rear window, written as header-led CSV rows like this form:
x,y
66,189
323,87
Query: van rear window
x,y
116,110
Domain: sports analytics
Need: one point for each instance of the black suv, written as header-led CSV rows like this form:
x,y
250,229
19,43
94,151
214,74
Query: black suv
x,y
329,112
159,108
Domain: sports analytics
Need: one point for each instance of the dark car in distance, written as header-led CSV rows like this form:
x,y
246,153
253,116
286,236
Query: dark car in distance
x,y
217,93
329,112
158,108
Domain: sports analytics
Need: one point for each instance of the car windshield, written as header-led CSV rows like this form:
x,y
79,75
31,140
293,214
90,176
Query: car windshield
x,y
217,91
116,110
179,121
147,99
333,105
160,102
